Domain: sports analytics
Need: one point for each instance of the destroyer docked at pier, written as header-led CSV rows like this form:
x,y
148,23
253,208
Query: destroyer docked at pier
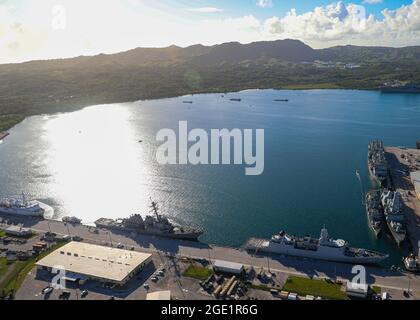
x,y
374,211
377,163
21,207
156,225
323,248
394,215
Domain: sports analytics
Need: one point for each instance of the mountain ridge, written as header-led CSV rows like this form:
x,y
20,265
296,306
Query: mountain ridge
x,y
60,85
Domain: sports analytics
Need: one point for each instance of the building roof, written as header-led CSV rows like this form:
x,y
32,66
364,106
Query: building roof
x,y
159,295
228,266
17,229
95,261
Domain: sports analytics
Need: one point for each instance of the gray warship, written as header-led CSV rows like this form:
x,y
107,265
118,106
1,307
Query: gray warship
x,y
394,215
155,225
377,163
375,211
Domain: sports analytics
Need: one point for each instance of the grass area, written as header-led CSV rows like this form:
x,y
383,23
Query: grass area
x,y
2,233
8,121
3,265
197,272
321,288
261,287
376,290
19,270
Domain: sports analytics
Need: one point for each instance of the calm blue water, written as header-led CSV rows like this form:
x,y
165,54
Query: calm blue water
x,y
90,164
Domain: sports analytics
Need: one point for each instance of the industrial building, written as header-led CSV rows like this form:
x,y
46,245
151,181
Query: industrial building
x,y
86,261
415,179
228,267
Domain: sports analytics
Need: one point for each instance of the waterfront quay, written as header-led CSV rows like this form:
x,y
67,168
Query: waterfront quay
x,y
403,161
163,249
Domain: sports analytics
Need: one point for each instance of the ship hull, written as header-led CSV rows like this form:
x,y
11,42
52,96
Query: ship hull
x,y
399,238
180,236
22,212
273,248
400,90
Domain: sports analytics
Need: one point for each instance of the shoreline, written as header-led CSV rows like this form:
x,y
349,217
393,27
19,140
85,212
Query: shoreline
x,y
3,135
287,88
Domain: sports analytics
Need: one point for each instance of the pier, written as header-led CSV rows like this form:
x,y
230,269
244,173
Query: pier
x,y
403,161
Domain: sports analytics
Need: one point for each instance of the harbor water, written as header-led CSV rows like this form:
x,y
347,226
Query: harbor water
x,y
99,162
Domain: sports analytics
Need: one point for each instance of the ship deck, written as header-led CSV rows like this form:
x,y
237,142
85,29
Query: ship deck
x,y
254,243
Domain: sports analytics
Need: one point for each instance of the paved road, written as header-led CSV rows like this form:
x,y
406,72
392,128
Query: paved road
x,y
288,265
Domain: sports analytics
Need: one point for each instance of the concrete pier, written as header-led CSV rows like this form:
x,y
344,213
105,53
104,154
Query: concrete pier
x,y
402,161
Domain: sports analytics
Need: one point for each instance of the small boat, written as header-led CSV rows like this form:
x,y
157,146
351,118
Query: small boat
x,y
281,100
412,263
190,102
236,99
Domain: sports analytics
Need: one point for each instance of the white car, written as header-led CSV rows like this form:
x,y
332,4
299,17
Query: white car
x,y
47,290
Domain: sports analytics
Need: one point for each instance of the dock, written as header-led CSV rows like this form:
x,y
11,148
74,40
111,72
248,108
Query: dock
x,y
403,161
3,135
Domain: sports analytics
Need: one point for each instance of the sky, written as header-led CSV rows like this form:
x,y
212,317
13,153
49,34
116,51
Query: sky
x,y
46,29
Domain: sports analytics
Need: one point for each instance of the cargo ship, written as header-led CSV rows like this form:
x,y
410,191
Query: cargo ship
x,y
155,225
324,248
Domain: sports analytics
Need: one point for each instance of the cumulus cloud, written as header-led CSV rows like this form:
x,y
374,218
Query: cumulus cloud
x,y
265,3
372,1
27,35
205,10
340,23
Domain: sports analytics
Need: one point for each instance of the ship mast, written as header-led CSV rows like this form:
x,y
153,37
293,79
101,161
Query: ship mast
x,y
155,209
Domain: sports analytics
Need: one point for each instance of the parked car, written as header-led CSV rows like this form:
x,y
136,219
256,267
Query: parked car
x,y
47,290
84,293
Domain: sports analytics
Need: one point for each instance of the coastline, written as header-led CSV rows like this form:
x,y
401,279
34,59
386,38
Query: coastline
x,y
294,87
3,135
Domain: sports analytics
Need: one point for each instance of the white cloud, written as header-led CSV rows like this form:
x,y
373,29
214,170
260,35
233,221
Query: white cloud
x,y
28,35
347,24
265,3
205,10
372,1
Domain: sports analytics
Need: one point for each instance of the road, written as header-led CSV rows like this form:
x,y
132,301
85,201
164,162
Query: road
x,y
288,265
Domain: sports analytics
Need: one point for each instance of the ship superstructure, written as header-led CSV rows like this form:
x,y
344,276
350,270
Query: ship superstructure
x,y
21,207
324,248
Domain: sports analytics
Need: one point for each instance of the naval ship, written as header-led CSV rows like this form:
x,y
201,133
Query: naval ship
x,y
375,211
155,224
400,87
21,207
324,248
394,215
377,163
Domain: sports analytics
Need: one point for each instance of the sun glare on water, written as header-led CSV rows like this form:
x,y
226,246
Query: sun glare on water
x,y
96,159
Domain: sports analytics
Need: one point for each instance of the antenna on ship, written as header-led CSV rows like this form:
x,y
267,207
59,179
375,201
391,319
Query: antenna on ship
x,y
155,208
